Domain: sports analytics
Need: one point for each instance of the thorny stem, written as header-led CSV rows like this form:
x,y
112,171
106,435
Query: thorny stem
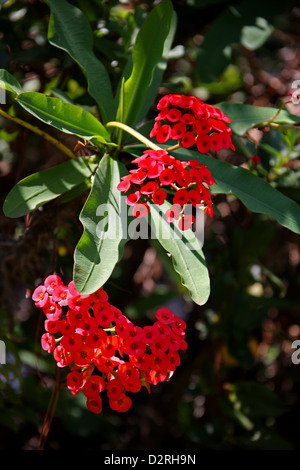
x,y
38,131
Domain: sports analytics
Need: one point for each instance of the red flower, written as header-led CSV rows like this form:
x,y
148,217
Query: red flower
x,y
203,143
255,160
178,325
172,213
83,356
121,404
87,326
79,303
164,315
52,310
114,389
159,346
181,197
96,339
48,342
167,176
99,296
51,282
51,326
40,296
61,356
76,317
216,141
141,361
159,196
75,382
94,404
151,333
163,134
131,347
173,360
72,342
65,328
109,348
93,386
127,373
105,364
133,198
103,314
140,210
188,140
186,222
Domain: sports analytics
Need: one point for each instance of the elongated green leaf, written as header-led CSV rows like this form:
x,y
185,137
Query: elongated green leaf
x,y
64,116
37,189
101,244
257,195
147,52
245,116
70,30
9,82
185,249
158,72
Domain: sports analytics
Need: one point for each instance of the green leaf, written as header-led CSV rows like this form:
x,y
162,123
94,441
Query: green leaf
x,y
257,400
243,22
147,53
245,116
70,30
158,72
253,37
257,195
39,188
66,117
8,82
184,247
103,239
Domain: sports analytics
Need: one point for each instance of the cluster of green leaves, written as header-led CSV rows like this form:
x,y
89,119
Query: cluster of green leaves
x,y
96,255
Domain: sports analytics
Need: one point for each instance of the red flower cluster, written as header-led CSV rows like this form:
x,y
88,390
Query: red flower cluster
x,y
191,122
102,347
158,170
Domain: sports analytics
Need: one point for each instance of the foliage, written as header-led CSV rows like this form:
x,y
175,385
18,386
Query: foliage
x,y
84,83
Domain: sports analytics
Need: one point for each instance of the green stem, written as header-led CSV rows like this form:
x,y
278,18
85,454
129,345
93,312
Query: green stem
x,y
134,133
43,134
174,147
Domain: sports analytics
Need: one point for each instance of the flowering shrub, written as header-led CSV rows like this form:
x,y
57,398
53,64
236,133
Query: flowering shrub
x,y
104,350
183,162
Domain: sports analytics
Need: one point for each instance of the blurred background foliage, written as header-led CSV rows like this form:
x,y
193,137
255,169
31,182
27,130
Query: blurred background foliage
x,y
236,387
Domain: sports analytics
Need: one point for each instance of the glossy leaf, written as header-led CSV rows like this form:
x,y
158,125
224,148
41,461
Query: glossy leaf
x,y
70,30
185,249
41,187
257,194
9,82
63,116
103,239
245,116
147,52
158,72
